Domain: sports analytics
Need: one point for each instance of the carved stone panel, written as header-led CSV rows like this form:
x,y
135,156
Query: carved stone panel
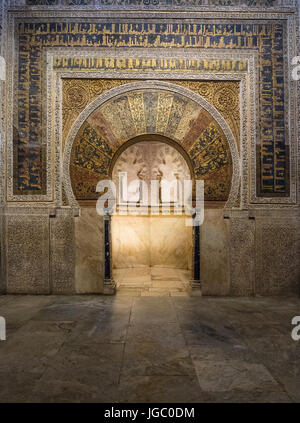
x,y
2,254
62,253
27,254
242,256
277,256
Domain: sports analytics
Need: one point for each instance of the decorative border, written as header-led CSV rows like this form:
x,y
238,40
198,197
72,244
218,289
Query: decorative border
x,y
248,92
88,62
47,181
248,98
3,21
290,18
53,84
185,5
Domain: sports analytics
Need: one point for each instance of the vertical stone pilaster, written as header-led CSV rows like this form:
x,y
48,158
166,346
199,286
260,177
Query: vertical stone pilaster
x,y
89,240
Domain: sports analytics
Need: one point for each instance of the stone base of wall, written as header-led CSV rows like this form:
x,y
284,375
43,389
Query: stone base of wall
x,y
265,252
38,255
50,251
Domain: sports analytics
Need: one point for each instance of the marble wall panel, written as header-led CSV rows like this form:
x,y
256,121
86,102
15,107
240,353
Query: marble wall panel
x,y
214,253
163,241
131,241
89,268
171,242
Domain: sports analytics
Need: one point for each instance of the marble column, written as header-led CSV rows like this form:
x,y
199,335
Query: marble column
x,y
109,287
195,283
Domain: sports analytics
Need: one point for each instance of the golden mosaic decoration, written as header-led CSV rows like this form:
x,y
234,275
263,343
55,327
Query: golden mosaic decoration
x,y
150,111
78,93
223,95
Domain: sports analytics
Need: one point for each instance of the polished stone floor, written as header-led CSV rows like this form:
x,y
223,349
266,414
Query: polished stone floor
x,y
149,349
152,281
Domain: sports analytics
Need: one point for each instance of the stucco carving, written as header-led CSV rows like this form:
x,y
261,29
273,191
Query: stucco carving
x,y
248,93
277,256
62,254
242,263
27,252
224,95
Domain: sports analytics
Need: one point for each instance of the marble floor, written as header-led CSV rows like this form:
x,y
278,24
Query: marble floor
x,y
149,349
152,281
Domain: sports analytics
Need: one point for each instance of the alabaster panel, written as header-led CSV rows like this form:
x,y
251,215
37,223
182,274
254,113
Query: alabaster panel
x,y
131,241
89,267
242,256
277,256
214,253
170,242
163,241
27,252
62,253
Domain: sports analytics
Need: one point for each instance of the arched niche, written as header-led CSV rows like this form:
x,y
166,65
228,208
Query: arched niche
x,y
151,157
149,109
151,240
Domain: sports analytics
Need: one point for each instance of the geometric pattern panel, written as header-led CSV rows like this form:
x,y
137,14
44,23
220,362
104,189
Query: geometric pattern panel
x,y
141,112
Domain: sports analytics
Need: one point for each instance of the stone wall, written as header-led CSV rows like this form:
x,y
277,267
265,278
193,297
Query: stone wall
x,y
89,238
277,255
3,18
48,251
215,253
45,247
39,254
265,252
